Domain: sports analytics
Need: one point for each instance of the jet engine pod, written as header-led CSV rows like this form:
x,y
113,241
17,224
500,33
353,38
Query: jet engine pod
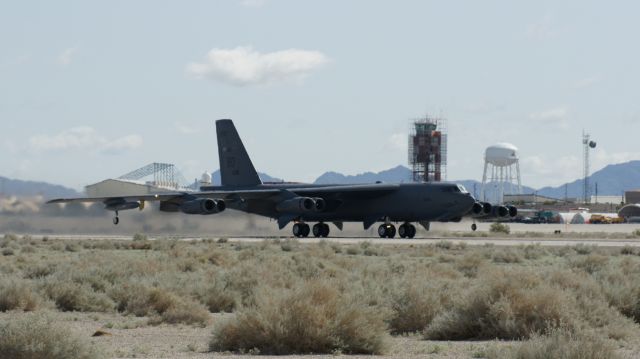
x,y
202,206
296,205
321,205
486,207
513,211
477,209
500,211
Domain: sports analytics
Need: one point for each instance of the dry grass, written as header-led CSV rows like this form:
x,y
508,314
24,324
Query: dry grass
x,y
35,337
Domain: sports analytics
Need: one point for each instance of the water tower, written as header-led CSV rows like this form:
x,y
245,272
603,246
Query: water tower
x,y
502,167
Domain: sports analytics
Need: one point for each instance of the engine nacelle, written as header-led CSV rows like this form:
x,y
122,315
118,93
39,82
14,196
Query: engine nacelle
x,y
486,207
500,211
297,205
321,205
203,206
513,211
477,209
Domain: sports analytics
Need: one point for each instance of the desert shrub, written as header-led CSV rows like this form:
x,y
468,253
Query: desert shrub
x,y
159,304
506,255
636,233
444,245
39,270
222,240
534,251
628,250
312,317
185,312
559,344
583,249
35,337
470,263
415,304
217,298
353,250
506,305
140,237
7,252
498,227
69,296
17,295
591,263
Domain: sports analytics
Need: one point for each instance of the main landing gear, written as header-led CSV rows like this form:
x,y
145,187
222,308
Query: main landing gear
x,y
116,219
301,229
388,230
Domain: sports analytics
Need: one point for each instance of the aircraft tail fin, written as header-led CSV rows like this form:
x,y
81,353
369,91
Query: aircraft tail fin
x,y
236,169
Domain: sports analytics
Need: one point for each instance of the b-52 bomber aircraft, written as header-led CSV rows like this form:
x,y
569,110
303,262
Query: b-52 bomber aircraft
x,y
241,189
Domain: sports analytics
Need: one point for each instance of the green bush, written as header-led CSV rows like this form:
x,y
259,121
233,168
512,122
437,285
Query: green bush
x,y
35,337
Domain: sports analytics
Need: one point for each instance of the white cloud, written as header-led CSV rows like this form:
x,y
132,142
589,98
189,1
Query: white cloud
x,y
601,158
538,171
83,138
587,82
244,66
185,129
558,116
397,141
541,29
66,56
253,3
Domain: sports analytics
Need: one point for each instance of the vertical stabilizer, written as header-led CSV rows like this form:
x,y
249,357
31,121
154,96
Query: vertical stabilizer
x,y
236,168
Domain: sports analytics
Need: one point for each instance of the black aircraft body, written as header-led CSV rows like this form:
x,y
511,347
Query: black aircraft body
x,y
242,190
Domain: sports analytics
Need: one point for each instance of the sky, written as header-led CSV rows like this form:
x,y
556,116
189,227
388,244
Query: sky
x,y
94,89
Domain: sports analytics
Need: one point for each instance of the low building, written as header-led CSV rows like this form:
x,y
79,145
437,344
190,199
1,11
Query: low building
x,y
532,198
118,187
632,196
607,199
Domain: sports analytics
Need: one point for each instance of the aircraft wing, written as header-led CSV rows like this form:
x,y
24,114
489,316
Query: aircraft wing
x,y
347,191
169,196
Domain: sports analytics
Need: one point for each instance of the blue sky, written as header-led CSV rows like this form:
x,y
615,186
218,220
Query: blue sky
x,y
90,90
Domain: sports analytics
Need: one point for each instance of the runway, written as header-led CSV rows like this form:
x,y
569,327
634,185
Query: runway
x,y
474,241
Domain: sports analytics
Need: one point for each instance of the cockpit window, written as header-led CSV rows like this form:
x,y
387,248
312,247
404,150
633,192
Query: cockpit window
x,y
462,189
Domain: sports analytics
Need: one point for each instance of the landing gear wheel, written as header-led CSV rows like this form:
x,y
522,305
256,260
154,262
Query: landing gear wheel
x,y
305,230
382,231
116,220
300,230
474,227
318,229
325,230
402,231
411,230
391,231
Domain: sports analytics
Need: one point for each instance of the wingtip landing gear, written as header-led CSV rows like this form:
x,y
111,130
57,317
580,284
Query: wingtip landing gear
x,y
474,227
116,219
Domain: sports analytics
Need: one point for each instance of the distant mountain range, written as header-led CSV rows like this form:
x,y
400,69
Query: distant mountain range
x,y
11,187
612,180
